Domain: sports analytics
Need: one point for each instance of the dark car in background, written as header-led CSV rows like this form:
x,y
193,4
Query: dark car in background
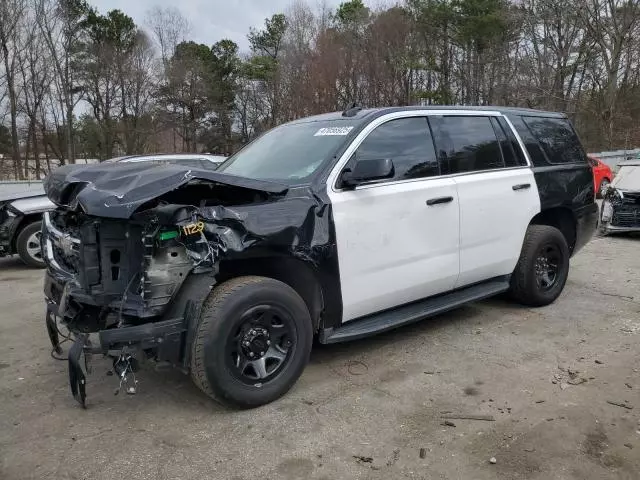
x,y
21,211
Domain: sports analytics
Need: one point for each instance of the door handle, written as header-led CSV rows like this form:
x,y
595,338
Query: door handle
x,y
439,200
522,186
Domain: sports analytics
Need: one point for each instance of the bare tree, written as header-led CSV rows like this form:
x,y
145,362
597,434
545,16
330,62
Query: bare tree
x,y
169,28
137,95
12,13
35,77
611,24
61,24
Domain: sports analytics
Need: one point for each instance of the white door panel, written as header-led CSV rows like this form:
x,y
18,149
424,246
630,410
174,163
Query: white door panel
x,y
392,247
493,221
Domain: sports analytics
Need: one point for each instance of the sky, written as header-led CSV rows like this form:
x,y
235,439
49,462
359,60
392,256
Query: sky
x,y
210,20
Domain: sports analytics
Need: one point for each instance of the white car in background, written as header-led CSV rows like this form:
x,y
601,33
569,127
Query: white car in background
x,y
21,212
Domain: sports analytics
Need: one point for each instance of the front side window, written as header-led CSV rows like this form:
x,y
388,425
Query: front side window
x,y
467,143
407,142
290,153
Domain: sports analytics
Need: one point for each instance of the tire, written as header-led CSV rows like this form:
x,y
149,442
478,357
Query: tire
x,y
26,247
223,330
604,183
529,288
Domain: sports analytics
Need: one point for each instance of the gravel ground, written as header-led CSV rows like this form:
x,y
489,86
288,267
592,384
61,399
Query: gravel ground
x,y
370,409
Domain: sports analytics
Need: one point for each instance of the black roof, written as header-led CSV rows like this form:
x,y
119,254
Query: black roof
x,y
368,114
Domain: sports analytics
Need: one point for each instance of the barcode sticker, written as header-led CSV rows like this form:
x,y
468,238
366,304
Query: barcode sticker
x,y
333,131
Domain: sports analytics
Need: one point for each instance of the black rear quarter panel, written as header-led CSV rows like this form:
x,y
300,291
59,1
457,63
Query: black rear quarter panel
x,y
567,185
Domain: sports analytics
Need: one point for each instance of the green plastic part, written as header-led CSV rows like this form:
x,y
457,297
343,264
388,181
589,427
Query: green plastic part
x,y
168,235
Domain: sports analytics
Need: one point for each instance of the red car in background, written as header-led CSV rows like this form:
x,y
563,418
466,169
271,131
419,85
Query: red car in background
x,y
602,175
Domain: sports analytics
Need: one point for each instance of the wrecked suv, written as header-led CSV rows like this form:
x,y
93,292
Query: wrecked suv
x,y
621,204
337,226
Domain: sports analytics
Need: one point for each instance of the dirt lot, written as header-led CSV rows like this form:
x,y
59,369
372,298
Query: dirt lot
x,y
360,410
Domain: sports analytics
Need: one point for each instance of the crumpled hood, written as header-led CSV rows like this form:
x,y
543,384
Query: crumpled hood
x,y
117,190
627,178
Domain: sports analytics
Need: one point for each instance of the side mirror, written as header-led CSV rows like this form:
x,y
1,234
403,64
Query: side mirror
x,y
366,171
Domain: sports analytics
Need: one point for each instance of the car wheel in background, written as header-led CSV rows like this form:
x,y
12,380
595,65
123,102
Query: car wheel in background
x,y
28,245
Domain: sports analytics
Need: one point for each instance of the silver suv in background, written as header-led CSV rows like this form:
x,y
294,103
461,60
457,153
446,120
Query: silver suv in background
x,y
21,211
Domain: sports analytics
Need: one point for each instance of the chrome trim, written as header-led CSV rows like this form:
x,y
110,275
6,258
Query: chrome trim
x,y
52,229
51,234
523,147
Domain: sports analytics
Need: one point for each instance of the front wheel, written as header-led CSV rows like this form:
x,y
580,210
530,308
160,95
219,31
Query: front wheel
x,y
252,342
543,267
28,245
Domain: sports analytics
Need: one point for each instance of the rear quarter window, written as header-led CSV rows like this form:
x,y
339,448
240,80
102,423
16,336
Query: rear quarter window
x,y
557,139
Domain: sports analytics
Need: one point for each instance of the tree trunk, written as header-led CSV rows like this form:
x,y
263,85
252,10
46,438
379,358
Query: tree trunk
x,y
36,149
69,124
15,145
27,151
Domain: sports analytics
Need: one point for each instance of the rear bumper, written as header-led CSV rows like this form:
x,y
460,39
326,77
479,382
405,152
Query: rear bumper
x,y
586,224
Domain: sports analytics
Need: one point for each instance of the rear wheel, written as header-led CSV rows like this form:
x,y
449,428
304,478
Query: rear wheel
x,y
543,267
28,245
252,342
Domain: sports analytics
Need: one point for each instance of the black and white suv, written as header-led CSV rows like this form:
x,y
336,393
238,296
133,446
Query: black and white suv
x,y
341,225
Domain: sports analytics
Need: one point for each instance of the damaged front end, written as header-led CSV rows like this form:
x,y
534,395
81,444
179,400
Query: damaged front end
x,y
621,200
122,281
127,270
620,211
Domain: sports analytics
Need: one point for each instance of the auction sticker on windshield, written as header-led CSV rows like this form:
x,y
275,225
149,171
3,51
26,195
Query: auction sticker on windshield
x,y
339,131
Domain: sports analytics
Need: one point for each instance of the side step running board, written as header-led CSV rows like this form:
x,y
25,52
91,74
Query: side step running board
x,y
397,317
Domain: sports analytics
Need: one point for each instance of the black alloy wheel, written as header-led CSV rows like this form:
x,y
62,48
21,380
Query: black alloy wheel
x,y
547,266
252,342
262,344
543,267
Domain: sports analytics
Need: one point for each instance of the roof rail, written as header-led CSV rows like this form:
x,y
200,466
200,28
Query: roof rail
x,y
352,111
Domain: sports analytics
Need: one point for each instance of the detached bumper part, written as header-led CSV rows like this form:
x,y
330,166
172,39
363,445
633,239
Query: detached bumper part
x,y
77,378
166,335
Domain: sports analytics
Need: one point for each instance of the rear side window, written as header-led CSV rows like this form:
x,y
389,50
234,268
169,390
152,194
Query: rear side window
x,y
531,144
508,153
521,160
557,139
406,141
469,144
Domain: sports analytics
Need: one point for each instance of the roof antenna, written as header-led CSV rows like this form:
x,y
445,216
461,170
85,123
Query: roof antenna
x,y
352,111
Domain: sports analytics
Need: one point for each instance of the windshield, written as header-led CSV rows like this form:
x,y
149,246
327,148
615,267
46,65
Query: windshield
x,y
289,154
